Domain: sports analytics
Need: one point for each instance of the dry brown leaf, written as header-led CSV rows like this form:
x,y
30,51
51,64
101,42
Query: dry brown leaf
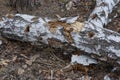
x,y
24,66
59,72
58,16
21,71
69,5
24,56
14,58
32,59
78,67
29,62
4,62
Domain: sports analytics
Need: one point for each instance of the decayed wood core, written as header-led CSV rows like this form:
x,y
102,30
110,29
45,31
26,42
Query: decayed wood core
x,y
67,28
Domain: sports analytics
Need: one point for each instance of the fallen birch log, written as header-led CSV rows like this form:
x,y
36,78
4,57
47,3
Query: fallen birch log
x,y
69,34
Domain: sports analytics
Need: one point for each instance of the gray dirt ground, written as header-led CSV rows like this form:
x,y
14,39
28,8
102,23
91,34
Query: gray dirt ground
x,y
22,61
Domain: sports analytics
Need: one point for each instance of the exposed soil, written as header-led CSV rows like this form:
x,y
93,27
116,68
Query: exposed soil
x,y
22,61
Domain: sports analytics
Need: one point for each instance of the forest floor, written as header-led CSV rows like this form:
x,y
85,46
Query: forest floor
x,y
23,61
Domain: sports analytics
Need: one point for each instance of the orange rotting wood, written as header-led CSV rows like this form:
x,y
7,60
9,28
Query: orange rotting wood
x,y
54,25
68,28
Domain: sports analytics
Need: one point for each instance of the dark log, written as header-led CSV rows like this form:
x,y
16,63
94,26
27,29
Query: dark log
x,y
67,33
23,5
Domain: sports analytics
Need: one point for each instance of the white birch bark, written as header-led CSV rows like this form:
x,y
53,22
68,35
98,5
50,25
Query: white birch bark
x,y
67,33
102,40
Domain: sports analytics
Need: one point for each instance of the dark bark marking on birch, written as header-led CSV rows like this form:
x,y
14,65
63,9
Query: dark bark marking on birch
x,y
27,29
103,4
91,34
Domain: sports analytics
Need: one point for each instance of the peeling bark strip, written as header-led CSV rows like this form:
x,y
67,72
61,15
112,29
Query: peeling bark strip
x,y
100,14
67,33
